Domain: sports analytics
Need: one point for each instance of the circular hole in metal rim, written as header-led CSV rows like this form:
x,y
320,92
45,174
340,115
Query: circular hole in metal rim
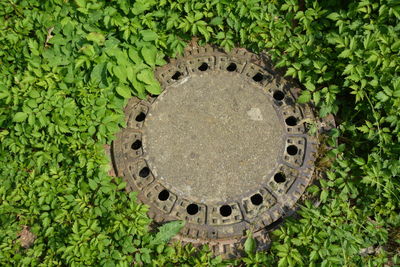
x,y
192,209
203,67
256,199
292,150
225,210
291,121
258,77
231,67
144,172
176,75
136,145
140,117
163,195
278,95
280,177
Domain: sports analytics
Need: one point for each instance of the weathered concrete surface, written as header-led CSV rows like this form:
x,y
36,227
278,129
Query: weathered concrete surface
x,y
213,136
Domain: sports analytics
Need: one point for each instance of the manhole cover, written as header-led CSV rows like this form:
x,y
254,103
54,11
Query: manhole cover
x,y
224,147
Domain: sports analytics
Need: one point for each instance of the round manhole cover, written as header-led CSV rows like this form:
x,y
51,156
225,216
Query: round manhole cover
x,y
224,147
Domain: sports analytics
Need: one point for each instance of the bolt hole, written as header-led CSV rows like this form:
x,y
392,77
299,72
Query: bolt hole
x,y
136,145
225,210
176,76
140,117
291,121
231,67
203,67
279,95
256,199
192,209
258,77
279,177
292,150
163,195
144,172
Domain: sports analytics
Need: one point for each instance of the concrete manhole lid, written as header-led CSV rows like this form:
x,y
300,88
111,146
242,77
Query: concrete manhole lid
x,y
224,147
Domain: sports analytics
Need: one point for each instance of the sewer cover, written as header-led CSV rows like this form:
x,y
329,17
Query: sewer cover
x,y
224,147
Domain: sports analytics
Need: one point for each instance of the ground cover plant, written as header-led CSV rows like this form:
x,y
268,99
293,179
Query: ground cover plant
x,y
68,67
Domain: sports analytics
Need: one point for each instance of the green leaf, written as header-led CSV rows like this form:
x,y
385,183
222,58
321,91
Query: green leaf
x,y
316,97
250,244
216,21
305,97
382,96
120,72
283,262
203,30
120,55
34,94
146,76
166,232
324,195
149,54
139,87
333,16
149,35
92,184
359,161
96,37
160,61
348,69
154,88
124,91
4,93
134,55
291,72
97,71
345,53
20,116
122,185
395,46
300,74
310,86
81,3
313,255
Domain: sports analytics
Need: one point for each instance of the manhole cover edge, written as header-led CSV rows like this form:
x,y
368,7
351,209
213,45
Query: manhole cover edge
x,y
307,168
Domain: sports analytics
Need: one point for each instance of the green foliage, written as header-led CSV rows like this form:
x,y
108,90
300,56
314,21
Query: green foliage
x,y
166,232
254,258
68,67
